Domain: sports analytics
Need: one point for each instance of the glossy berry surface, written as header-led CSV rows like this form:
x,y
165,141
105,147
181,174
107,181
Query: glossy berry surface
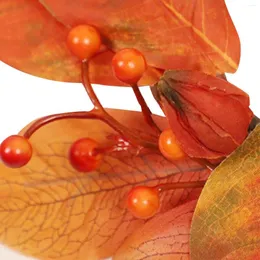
x,y
84,41
143,202
82,155
15,151
169,146
129,65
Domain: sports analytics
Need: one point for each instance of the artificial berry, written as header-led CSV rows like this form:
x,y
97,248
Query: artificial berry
x,y
129,65
143,202
84,41
15,151
83,156
169,146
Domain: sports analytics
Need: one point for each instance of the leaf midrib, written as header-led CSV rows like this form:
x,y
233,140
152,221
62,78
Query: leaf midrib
x,y
98,191
200,34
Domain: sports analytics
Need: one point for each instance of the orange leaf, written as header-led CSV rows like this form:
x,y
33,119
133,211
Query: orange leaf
x,y
50,211
173,34
225,225
34,42
165,237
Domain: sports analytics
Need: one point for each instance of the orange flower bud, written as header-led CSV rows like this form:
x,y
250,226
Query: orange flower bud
x,y
208,115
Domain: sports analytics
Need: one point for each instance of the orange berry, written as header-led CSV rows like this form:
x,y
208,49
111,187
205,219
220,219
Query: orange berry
x,y
129,65
82,155
143,202
15,151
84,41
169,146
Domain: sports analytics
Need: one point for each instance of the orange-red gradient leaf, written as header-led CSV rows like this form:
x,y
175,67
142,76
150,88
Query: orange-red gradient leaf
x,y
225,225
172,34
165,237
34,42
50,211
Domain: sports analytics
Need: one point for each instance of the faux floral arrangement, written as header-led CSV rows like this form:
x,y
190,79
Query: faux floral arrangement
x,y
100,183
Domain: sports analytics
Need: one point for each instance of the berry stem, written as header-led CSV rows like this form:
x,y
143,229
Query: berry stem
x,y
133,137
180,185
147,142
88,87
55,117
145,109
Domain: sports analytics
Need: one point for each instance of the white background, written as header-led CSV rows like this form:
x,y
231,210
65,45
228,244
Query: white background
x,y
24,98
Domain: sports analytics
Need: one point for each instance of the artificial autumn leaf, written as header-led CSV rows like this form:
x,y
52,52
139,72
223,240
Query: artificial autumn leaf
x,y
34,42
164,237
171,34
50,211
209,116
226,220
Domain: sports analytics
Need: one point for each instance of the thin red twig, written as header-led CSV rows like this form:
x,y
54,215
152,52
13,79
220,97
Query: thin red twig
x,y
129,134
145,109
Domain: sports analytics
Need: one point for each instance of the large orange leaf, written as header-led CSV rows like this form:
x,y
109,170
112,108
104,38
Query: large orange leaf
x,y
50,211
32,41
173,34
226,220
165,237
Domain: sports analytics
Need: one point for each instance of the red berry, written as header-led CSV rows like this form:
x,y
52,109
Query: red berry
x,y
143,202
15,151
82,155
129,65
84,41
169,146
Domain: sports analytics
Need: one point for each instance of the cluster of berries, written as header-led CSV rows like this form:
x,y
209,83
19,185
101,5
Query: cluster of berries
x,y
128,65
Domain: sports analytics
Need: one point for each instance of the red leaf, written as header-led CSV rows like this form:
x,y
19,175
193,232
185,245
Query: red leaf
x,y
165,237
172,35
209,116
50,211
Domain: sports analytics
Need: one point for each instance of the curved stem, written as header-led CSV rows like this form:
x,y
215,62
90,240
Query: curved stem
x,y
180,185
88,87
94,114
130,135
145,109
55,117
99,113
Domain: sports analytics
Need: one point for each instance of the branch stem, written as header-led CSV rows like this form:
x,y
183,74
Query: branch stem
x,y
145,109
146,141
55,117
128,134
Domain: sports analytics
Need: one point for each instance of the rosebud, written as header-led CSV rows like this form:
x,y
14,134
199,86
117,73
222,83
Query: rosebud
x,y
208,115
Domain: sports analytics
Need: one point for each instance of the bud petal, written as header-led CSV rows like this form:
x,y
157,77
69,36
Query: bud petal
x,y
208,115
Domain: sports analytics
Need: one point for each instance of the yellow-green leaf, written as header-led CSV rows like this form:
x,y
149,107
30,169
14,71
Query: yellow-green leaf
x,y
226,223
